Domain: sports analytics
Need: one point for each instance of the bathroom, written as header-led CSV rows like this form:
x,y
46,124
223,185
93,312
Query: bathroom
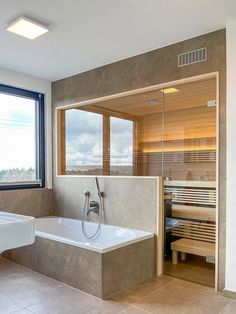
x,y
113,190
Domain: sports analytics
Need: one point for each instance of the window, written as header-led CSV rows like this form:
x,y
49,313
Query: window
x,y
162,132
94,143
21,138
84,142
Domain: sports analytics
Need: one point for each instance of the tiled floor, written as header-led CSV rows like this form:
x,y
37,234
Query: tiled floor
x,y
194,269
23,291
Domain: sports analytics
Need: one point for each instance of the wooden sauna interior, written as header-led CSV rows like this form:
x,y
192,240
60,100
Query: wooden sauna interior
x,y
174,131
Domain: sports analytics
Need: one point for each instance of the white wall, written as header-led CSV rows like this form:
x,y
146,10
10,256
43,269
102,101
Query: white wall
x,y
230,279
16,79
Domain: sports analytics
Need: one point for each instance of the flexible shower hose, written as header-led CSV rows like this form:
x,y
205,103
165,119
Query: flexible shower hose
x,y
86,204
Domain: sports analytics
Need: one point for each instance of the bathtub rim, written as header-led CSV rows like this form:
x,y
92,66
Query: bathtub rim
x,y
57,238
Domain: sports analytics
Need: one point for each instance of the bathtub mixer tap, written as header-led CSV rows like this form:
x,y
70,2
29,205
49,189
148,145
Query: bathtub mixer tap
x,y
93,208
93,205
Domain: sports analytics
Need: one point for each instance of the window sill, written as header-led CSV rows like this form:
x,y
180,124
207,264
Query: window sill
x,y
20,185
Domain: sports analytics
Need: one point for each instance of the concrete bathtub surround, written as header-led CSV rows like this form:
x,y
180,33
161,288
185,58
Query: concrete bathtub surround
x,y
117,259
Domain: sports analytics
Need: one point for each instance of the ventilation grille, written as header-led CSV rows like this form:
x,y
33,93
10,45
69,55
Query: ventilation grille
x,y
192,57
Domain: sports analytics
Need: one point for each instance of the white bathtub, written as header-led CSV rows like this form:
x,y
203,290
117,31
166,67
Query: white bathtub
x,y
69,231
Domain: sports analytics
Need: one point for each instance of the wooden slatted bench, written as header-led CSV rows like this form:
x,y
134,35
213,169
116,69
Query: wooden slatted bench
x,y
201,248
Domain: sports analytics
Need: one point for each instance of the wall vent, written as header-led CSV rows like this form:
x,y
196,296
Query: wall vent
x,y
192,57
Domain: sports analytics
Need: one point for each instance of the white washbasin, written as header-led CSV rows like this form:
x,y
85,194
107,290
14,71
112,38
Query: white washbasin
x,y
16,231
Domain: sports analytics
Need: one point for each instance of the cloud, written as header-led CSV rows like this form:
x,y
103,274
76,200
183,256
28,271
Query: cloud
x,y
84,139
17,132
84,142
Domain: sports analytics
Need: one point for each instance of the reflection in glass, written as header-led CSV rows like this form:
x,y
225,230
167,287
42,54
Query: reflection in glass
x,y
189,160
190,132
84,142
121,146
165,132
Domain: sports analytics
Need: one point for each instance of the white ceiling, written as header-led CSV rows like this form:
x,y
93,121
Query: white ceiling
x,y
90,33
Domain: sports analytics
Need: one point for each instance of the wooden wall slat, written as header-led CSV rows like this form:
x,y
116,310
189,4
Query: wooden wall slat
x,y
61,148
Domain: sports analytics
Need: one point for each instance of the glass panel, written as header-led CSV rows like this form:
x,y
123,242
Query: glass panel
x,y
150,134
136,131
189,159
17,134
190,131
116,137
121,146
84,142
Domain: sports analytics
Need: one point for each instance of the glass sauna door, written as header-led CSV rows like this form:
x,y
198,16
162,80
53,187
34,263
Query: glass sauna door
x,y
189,161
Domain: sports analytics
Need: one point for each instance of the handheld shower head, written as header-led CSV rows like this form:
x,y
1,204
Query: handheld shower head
x,y
86,193
100,194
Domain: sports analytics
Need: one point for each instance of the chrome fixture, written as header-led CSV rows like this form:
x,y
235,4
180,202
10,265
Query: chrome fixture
x,y
86,193
100,194
93,207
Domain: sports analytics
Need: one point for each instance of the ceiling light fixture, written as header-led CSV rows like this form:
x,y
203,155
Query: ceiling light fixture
x,y
153,102
169,90
27,28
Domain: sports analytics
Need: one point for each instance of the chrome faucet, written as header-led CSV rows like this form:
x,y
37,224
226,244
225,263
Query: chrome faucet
x,y
93,205
93,208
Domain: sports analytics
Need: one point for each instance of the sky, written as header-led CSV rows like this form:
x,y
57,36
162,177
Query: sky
x,y
84,143
121,141
17,132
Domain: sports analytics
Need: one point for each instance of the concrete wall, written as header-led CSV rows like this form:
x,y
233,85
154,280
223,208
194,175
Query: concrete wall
x,y
31,202
35,202
128,202
147,69
230,280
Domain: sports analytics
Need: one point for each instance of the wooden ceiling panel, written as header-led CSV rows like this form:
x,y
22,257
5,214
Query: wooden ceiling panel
x,y
190,95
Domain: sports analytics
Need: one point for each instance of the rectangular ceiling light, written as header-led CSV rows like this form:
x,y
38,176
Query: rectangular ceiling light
x,y
169,90
27,28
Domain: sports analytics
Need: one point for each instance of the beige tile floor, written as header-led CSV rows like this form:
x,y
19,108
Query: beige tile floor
x,y
194,269
23,291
